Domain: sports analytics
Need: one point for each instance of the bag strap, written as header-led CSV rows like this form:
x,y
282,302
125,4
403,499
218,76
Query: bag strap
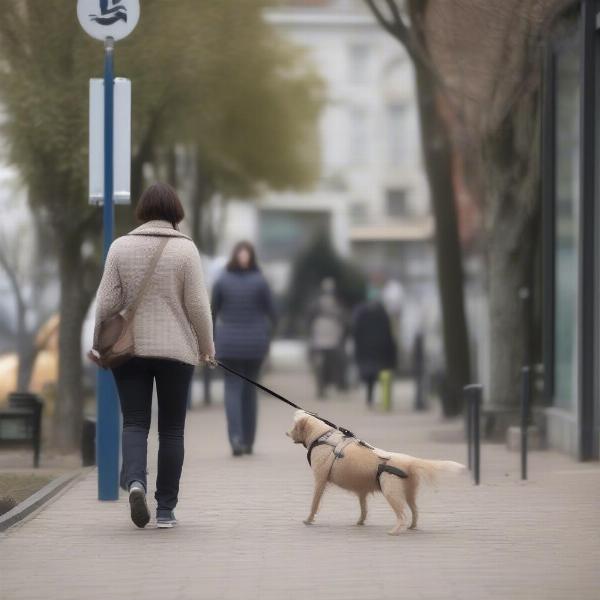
x,y
147,276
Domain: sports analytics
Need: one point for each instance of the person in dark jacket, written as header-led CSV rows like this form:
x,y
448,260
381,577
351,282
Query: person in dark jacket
x,y
374,345
244,315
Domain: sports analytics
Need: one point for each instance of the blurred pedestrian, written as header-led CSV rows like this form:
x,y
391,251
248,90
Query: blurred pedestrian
x,y
327,328
245,317
418,359
374,345
155,272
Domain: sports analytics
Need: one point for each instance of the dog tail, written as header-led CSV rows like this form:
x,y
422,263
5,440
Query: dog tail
x,y
427,470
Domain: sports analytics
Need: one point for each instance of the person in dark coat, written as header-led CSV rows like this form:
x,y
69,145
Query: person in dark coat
x,y
374,344
244,315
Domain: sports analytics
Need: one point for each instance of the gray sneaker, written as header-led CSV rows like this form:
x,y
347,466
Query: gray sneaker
x,y
165,519
140,514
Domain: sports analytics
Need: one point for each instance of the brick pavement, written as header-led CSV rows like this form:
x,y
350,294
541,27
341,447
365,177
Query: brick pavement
x,y
242,537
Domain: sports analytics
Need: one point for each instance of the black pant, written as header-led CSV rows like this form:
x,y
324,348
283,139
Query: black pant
x,y
370,381
240,402
325,364
135,380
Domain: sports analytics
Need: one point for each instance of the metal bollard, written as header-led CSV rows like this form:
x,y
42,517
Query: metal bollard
x,y
525,402
469,424
473,395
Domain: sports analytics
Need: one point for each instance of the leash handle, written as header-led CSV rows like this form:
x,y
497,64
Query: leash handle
x,y
264,388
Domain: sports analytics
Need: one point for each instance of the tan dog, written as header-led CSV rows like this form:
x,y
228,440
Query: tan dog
x,y
356,469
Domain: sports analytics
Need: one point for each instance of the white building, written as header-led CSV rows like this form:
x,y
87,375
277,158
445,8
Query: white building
x,y
372,195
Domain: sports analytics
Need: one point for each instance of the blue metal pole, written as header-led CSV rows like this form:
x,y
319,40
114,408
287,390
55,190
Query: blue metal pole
x,y
108,421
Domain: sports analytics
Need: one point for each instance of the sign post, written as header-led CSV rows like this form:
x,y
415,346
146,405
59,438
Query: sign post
x,y
108,20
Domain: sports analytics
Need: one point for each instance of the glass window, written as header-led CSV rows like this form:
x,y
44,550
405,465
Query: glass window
x,y
398,134
397,202
284,234
358,212
358,136
567,211
359,63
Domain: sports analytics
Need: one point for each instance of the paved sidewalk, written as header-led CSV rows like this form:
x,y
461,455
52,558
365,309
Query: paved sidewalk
x,y
242,537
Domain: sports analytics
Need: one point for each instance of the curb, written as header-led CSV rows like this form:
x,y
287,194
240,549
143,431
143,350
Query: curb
x,y
37,500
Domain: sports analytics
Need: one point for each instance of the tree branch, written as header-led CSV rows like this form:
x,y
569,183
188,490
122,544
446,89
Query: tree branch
x,y
399,32
408,37
11,273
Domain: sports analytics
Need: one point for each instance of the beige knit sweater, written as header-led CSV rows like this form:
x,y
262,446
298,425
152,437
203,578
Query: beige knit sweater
x,y
173,319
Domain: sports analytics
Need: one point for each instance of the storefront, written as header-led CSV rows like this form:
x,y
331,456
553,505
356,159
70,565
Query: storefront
x,y
570,186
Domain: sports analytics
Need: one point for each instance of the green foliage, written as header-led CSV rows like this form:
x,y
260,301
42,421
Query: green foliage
x,y
216,75
211,74
317,262
207,74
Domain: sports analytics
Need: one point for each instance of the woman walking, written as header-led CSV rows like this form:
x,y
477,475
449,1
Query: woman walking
x,y
244,316
374,345
155,272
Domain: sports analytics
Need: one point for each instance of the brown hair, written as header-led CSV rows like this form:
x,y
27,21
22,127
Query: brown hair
x,y
160,202
234,264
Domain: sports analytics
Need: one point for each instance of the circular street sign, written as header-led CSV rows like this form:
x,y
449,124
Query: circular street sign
x,y
108,18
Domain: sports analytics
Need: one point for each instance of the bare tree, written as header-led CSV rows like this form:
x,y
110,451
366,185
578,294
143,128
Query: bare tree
x,y
24,267
488,54
438,156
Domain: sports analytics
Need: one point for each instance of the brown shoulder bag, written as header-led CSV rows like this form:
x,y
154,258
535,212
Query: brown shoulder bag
x,y
115,339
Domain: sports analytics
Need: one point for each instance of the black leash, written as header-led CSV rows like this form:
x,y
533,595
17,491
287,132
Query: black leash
x,y
264,388
382,468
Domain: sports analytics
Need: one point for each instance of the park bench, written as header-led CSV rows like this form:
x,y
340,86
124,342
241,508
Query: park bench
x,y
21,423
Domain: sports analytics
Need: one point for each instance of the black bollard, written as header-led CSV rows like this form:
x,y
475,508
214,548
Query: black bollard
x,y
525,401
473,395
469,423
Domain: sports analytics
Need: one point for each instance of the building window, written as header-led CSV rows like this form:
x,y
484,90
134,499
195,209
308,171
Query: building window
x,y
398,134
358,212
358,136
284,234
358,63
397,203
566,184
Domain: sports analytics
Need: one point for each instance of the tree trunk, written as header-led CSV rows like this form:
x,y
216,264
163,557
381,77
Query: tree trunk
x,y
437,154
26,351
74,302
201,222
511,160
509,273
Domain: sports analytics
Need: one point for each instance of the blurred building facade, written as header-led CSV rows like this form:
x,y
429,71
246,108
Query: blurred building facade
x,y
372,196
570,283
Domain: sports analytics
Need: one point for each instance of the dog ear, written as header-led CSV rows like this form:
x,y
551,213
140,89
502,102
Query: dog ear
x,y
299,415
300,423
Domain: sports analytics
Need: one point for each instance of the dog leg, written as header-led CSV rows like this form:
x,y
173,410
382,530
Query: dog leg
x,y
363,510
317,495
411,499
393,494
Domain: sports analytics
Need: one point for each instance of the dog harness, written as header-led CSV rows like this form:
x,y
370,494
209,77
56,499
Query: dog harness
x,y
339,441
